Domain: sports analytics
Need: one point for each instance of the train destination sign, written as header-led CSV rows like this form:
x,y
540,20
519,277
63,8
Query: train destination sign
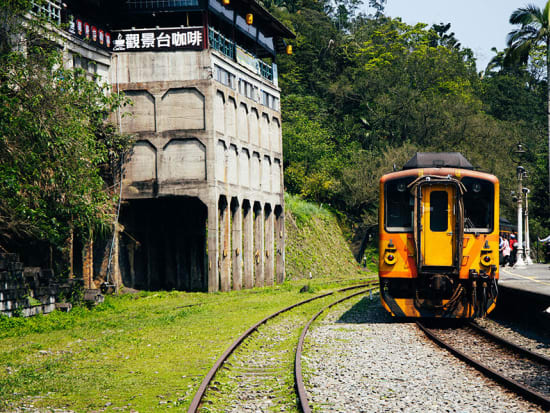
x,y
190,38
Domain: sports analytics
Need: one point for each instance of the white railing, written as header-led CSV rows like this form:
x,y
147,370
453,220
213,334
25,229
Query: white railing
x,y
51,9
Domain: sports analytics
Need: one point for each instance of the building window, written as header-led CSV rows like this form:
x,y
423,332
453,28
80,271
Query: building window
x,y
269,100
224,77
248,89
88,66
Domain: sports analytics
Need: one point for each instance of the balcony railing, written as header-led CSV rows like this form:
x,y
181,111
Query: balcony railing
x,y
160,4
266,71
227,47
221,43
50,9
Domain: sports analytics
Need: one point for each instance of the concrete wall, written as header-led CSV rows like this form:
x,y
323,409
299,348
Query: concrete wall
x,y
197,138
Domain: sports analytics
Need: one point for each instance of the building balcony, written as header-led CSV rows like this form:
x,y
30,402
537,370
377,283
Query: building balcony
x,y
234,52
160,4
50,9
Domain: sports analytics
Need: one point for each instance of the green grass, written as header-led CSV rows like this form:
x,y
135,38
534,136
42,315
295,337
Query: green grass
x,y
142,350
304,211
132,351
315,243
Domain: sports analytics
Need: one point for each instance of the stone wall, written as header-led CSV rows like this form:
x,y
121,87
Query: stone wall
x,y
27,291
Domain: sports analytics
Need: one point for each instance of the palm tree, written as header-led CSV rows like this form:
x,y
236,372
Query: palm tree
x,y
534,31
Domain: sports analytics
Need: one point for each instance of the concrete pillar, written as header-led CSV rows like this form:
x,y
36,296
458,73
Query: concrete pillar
x,y
269,246
213,243
225,245
280,243
116,276
258,245
69,246
237,244
248,245
88,264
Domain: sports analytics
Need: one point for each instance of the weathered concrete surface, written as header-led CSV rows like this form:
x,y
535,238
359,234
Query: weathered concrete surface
x,y
202,147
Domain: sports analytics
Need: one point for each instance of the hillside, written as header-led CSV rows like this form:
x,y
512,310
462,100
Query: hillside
x,y
315,243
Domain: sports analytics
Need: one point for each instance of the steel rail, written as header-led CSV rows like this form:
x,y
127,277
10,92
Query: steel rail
x,y
195,403
539,358
298,377
511,384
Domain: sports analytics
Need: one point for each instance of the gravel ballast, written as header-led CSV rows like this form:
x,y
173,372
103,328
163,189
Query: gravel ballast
x,y
538,342
360,359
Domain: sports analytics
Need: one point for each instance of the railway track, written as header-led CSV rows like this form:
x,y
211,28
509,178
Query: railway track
x,y
521,370
299,380
257,367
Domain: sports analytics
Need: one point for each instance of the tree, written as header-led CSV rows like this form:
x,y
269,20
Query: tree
x,y
534,30
379,6
58,153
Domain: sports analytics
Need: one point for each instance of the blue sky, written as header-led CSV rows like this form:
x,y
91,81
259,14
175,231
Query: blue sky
x,y
477,24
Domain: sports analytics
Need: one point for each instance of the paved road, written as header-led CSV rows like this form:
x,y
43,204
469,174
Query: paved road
x,y
534,278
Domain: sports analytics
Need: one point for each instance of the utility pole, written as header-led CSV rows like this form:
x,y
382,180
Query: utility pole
x,y
528,259
517,156
519,256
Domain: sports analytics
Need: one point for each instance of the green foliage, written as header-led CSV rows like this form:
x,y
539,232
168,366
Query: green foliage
x,y
58,155
315,244
304,211
363,96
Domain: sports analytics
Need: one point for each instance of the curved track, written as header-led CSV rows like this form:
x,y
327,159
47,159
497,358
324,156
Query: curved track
x,y
541,363
196,402
299,380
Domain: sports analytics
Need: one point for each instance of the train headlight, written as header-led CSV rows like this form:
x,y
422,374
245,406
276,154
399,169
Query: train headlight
x,y
390,253
486,256
390,258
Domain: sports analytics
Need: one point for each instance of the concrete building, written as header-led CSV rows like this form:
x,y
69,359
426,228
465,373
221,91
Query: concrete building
x,y
202,188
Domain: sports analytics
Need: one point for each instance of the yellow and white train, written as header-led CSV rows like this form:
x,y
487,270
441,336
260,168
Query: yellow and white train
x,y
439,238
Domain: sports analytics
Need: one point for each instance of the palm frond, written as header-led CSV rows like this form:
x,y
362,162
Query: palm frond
x,y
527,15
518,53
522,34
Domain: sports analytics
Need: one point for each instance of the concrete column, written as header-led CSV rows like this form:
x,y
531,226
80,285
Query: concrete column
x,y
269,246
69,246
248,246
115,265
213,243
280,243
258,245
225,246
237,244
88,264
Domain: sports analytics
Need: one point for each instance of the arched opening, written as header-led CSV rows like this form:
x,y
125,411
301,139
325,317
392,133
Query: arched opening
x,y
162,245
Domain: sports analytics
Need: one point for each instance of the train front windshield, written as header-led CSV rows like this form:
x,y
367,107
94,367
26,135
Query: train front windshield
x,y
478,205
399,205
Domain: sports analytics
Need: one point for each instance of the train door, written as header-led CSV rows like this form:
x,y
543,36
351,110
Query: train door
x,y
438,225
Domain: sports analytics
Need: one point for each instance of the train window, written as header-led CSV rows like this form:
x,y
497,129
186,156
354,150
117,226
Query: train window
x,y
478,205
399,205
439,211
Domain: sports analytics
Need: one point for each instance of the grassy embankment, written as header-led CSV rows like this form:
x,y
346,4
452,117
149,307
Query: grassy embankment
x,y
315,243
150,350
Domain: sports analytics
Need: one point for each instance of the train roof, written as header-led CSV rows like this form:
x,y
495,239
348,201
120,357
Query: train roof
x,y
438,160
458,172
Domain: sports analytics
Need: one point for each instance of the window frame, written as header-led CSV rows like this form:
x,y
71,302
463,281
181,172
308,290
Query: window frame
x,y
392,229
481,230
